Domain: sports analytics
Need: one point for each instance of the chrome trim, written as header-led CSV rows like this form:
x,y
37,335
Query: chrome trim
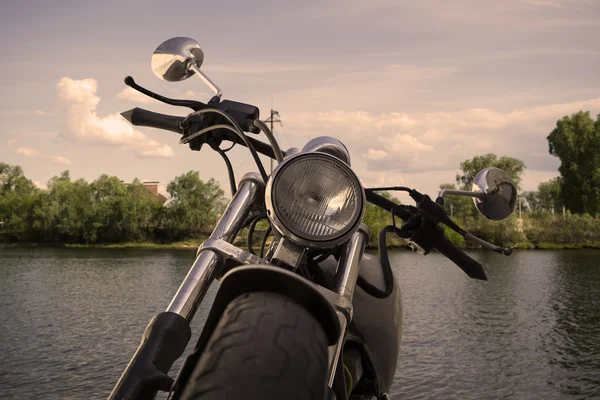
x,y
227,251
328,145
454,192
291,151
288,252
346,277
284,231
348,266
203,271
213,86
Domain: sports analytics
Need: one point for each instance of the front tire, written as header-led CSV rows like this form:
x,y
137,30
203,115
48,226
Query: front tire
x,y
265,346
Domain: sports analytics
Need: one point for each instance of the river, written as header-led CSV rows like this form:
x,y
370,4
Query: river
x,y
72,318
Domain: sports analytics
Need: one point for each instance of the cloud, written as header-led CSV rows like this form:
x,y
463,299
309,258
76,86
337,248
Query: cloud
x,y
559,4
40,185
135,96
11,142
245,68
27,152
59,160
422,145
32,153
25,113
84,125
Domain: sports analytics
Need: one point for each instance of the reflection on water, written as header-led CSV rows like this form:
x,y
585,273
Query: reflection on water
x,y
72,318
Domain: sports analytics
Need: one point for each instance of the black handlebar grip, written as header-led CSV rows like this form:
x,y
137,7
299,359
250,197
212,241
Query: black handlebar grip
x,y
140,117
470,266
388,205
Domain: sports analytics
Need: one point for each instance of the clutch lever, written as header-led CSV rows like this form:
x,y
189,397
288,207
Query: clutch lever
x,y
194,105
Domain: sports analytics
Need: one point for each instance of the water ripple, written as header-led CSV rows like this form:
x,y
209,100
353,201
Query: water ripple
x,y
72,319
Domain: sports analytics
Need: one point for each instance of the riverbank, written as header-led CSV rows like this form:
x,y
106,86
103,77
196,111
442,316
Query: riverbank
x,y
193,245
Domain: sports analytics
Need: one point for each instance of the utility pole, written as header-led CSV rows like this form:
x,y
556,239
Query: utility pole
x,y
272,119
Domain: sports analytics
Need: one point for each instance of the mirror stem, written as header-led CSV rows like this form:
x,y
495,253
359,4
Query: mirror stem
x,y
206,79
466,193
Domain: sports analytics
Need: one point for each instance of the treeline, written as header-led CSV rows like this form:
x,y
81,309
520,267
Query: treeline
x,y
105,210
563,212
108,211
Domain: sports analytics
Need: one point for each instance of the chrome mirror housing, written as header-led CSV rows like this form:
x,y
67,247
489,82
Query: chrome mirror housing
x,y
177,59
497,194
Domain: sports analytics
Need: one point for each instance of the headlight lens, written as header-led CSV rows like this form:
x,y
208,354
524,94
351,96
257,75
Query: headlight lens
x,y
316,197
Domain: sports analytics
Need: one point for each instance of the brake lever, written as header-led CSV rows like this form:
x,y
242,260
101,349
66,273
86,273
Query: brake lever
x,y
194,105
435,212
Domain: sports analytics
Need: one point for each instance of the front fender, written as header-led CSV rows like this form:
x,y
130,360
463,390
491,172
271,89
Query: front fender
x,y
266,278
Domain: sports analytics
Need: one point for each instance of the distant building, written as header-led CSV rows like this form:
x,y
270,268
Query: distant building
x,y
152,187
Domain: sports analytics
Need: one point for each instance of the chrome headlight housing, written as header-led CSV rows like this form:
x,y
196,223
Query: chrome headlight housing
x,y
315,200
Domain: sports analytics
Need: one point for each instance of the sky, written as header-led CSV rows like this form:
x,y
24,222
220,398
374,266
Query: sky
x,y
411,87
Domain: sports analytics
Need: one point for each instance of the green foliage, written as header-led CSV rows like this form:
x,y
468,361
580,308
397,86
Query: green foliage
x,y
104,211
458,206
576,142
17,194
195,206
376,219
470,168
454,237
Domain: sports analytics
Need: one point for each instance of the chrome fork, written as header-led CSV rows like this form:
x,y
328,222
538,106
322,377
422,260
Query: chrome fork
x,y
341,298
203,271
211,254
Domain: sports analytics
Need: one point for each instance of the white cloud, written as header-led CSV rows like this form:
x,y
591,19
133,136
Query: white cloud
x,y
245,68
59,160
32,153
135,96
373,154
426,148
27,152
83,124
41,113
40,185
11,142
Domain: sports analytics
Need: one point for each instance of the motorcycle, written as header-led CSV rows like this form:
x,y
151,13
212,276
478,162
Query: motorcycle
x,y
311,315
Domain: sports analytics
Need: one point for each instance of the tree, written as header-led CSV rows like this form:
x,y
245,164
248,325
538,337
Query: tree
x,y
17,193
470,168
576,142
376,218
141,212
549,195
195,205
63,213
532,199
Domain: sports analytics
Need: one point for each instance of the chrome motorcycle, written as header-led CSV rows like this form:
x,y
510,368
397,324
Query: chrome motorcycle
x,y
310,315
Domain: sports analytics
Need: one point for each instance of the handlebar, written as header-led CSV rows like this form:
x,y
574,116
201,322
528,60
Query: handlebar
x,y
437,240
434,236
140,117
471,267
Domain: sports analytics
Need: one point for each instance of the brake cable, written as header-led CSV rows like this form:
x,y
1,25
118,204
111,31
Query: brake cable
x,y
235,128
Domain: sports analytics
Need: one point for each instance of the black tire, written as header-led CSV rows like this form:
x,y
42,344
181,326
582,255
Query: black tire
x,y
266,346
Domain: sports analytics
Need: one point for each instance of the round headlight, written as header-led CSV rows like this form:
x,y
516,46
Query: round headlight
x,y
315,199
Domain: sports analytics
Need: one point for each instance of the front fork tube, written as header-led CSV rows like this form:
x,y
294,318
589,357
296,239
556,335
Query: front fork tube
x,y
341,297
201,274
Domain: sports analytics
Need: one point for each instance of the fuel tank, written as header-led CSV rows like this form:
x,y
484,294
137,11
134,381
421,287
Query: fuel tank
x,y
378,321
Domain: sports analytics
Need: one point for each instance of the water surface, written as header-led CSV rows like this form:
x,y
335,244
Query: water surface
x,y
72,318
